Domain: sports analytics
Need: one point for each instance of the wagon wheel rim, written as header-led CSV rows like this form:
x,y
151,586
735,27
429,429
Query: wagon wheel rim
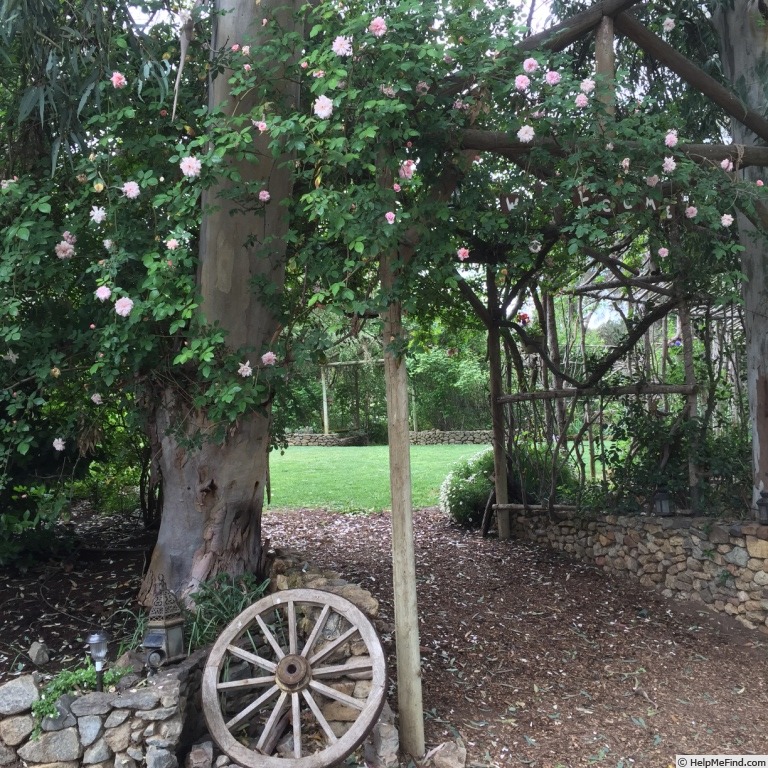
x,y
290,671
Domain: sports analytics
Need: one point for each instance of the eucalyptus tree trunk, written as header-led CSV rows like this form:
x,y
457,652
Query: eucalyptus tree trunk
x,y
743,37
213,494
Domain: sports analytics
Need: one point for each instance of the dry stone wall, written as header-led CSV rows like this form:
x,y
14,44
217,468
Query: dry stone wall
x,y
431,437
721,564
157,722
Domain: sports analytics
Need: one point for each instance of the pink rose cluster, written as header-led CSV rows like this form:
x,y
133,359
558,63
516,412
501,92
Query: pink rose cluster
x,y
66,248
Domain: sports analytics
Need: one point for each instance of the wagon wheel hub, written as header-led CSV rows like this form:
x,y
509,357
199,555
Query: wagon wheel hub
x,y
293,673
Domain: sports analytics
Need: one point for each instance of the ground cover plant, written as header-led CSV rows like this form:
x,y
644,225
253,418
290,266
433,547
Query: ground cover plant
x,y
356,479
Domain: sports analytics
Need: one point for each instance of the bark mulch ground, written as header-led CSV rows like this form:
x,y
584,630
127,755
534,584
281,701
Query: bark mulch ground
x,y
531,658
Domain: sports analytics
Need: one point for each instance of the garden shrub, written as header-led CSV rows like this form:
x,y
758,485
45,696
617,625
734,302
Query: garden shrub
x,y
465,491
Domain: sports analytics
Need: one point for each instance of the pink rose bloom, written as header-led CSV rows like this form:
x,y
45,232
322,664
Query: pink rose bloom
x,y
526,134
625,164
668,25
530,65
58,444
552,77
247,67
268,358
260,125
245,369
407,169
304,64
463,254
69,237
663,252
235,48
522,82
342,46
65,250
323,107
387,90
396,187
102,293
691,211
669,164
727,164
123,306
652,181
190,166
118,80
246,50
264,22
131,190
172,244
96,398
390,217
671,138
587,85
98,214
107,243
378,27
581,100
726,219
264,196
759,182
318,73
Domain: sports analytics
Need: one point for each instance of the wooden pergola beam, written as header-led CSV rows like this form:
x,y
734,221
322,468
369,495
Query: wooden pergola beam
x,y
630,389
626,24
569,31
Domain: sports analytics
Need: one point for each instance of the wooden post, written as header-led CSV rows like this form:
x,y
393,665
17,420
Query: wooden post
x,y
692,403
497,409
605,65
324,387
409,695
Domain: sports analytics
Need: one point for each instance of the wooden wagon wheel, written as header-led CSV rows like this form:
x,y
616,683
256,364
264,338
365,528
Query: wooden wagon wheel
x,y
297,679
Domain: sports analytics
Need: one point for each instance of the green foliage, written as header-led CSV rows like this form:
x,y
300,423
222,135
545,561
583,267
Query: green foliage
x,y
465,490
216,603
71,681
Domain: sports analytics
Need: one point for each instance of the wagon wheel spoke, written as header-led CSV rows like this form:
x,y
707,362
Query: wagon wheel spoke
x,y
319,716
296,717
331,647
270,666
294,698
272,722
357,665
319,624
267,632
332,693
251,682
252,708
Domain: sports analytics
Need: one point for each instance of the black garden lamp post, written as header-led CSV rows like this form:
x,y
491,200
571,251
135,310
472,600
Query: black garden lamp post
x,y
97,643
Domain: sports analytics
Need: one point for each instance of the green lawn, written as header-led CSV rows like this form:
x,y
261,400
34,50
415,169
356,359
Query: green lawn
x,y
357,479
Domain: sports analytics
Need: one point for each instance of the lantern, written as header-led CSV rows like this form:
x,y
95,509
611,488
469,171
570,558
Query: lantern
x,y
164,638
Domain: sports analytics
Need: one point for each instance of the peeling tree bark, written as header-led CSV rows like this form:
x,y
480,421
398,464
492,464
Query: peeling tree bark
x,y
213,495
744,43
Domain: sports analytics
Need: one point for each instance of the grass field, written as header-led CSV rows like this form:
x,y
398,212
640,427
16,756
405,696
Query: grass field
x,y
357,479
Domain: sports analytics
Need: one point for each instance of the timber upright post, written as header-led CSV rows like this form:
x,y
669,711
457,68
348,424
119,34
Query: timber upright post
x,y
497,410
409,695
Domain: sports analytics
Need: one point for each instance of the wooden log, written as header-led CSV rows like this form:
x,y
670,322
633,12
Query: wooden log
x,y
538,507
631,389
628,25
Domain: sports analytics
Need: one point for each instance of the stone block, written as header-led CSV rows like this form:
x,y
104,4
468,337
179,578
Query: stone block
x,y
98,752
737,556
18,695
119,738
53,747
90,728
14,730
757,548
116,717
157,757
92,704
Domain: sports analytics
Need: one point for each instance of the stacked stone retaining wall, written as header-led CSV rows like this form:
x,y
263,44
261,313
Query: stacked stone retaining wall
x,y
431,437
721,564
157,721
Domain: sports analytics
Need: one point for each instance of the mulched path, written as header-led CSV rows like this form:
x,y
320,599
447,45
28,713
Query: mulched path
x,y
531,658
